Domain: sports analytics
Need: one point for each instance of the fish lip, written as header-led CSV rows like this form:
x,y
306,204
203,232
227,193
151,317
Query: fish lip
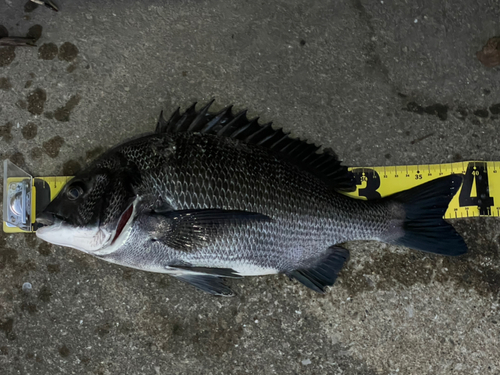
x,y
46,219
43,228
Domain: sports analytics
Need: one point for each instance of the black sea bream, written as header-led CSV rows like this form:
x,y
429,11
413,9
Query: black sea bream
x,y
210,196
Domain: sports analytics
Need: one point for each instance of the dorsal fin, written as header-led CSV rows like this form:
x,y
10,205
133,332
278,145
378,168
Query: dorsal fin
x,y
325,165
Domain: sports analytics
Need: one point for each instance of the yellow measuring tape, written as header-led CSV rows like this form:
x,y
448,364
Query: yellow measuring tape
x,y
479,194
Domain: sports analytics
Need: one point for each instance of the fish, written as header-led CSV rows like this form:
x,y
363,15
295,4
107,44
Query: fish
x,y
208,197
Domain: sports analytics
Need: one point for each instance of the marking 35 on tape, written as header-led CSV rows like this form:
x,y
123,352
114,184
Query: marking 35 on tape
x,y
479,194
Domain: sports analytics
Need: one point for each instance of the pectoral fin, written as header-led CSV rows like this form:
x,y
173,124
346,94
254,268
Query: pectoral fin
x,y
188,230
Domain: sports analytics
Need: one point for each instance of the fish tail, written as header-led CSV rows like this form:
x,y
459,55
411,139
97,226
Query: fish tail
x,y
422,226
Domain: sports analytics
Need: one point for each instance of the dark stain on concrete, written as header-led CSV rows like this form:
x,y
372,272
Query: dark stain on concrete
x,y
9,259
47,51
31,240
415,108
373,59
7,54
127,274
68,51
28,84
36,153
462,113
8,256
4,350
44,294
7,327
22,104
5,83
53,146
439,110
35,32
62,113
84,359
36,101
481,112
5,133
92,154
202,333
29,130
64,351
478,269
71,68
30,6
53,268
104,329
495,109
18,159
70,168
44,249
29,307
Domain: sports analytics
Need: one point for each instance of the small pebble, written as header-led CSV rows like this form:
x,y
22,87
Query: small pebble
x,y
27,287
306,362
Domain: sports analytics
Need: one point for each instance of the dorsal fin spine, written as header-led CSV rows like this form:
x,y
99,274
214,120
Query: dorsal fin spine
x,y
198,121
305,155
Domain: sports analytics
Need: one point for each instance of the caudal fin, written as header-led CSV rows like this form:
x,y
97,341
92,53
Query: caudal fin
x,y
424,228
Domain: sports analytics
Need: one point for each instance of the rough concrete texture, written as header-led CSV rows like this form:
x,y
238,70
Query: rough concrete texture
x,y
381,82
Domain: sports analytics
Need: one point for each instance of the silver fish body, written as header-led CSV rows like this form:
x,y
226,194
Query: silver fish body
x,y
201,205
201,172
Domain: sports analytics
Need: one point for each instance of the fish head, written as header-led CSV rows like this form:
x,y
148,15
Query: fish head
x,y
92,209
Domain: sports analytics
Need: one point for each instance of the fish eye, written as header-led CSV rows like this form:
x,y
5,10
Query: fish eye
x,y
74,192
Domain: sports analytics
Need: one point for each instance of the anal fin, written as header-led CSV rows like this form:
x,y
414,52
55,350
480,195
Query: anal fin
x,y
325,272
208,283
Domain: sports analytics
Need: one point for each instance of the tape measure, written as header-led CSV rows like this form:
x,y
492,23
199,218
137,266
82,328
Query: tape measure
x,y
25,197
479,194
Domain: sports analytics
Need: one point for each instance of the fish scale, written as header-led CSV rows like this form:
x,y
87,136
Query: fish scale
x,y
307,216
209,196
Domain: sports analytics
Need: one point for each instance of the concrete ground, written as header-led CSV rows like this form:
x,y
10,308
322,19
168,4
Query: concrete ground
x,y
370,79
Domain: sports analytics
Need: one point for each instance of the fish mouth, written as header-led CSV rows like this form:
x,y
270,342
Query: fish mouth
x,y
54,229
123,221
46,219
